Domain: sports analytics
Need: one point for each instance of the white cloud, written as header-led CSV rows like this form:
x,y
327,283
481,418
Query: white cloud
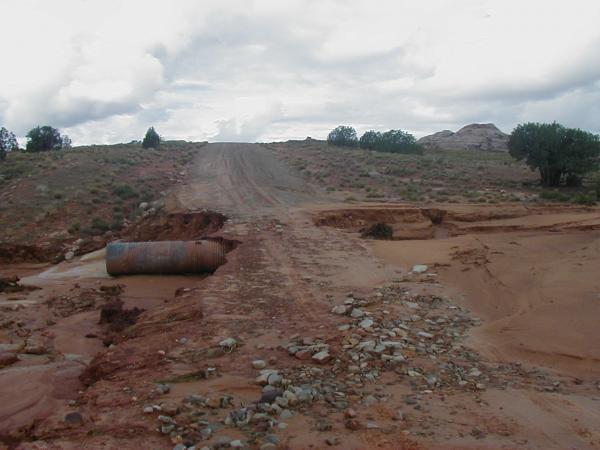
x,y
103,71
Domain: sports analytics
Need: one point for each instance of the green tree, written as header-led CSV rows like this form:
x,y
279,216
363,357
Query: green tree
x,y
8,142
66,142
343,136
559,154
398,141
43,139
370,139
152,139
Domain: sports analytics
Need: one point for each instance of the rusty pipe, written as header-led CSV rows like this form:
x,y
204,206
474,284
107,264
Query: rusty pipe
x,y
164,257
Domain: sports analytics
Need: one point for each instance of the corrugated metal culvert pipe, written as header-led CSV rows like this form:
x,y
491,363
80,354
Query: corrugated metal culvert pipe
x,y
164,257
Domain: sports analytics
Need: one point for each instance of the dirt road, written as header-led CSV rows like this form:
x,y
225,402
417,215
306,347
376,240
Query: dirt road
x,y
359,352
242,180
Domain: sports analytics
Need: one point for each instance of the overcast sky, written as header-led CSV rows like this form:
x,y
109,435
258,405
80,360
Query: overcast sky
x,y
103,71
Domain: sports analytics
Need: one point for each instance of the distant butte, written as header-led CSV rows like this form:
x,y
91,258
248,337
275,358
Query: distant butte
x,y
477,136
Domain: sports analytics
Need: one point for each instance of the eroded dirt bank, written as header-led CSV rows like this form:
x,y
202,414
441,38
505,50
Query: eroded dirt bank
x,y
304,339
528,271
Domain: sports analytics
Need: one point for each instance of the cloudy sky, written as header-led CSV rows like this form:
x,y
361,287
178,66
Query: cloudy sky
x,y
103,71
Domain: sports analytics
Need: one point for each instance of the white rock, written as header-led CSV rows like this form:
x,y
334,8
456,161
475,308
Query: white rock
x,y
339,309
366,323
259,364
228,342
474,372
357,313
419,268
321,357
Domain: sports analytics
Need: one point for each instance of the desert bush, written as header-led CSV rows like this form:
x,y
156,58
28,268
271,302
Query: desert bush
x,y
560,154
151,139
343,136
99,224
8,142
596,185
124,191
74,228
398,141
370,139
43,139
584,199
554,196
379,230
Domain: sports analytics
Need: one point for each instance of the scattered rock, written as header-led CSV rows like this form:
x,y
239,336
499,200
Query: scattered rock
x,y
269,396
419,268
259,364
163,388
366,323
332,441
339,309
357,313
321,357
228,343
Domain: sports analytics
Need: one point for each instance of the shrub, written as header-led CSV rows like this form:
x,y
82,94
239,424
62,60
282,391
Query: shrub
x,y
152,139
379,230
554,196
392,141
343,136
561,155
99,224
8,142
370,139
73,229
124,191
596,184
43,139
583,199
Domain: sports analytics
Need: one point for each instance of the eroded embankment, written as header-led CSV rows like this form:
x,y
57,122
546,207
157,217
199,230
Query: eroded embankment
x,y
407,222
153,227
59,338
527,271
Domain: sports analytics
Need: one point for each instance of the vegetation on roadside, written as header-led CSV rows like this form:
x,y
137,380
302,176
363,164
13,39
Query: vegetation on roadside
x,y
151,139
343,136
561,155
8,142
46,138
87,191
392,141
379,230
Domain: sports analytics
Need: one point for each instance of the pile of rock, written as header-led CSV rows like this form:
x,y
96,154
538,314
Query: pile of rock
x,y
416,336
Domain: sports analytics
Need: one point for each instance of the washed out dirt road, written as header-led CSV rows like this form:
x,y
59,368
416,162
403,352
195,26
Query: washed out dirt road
x,y
342,343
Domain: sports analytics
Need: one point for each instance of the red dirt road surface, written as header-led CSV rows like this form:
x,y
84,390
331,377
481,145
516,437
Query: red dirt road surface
x,y
311,336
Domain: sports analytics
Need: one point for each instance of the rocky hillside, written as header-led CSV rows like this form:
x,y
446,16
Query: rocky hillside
x,y
486,137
